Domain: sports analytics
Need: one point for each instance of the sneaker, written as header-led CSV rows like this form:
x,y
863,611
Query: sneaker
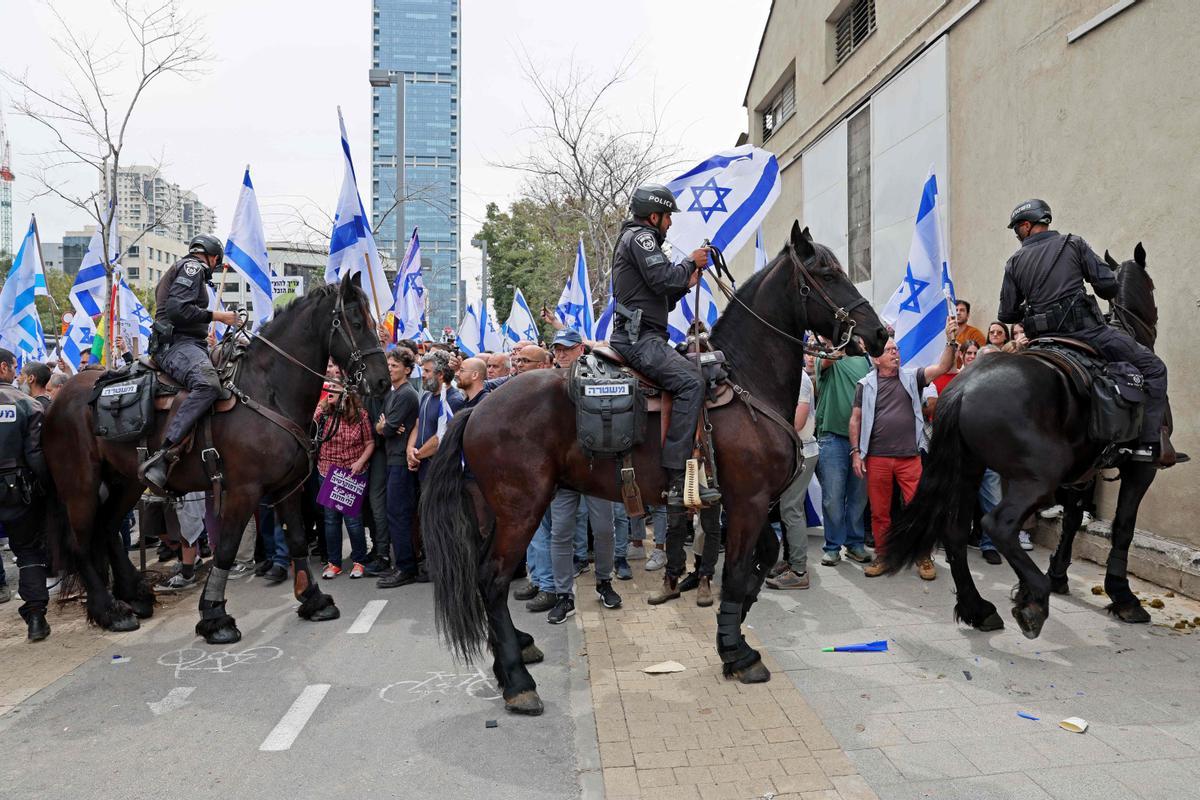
x,y
830,558
542,601
689,582
565,607
636,552
526,591
395,579
1023,538
331,572
358,570
276,574
1053,512
622,570
874,569
176,583
581,567
1087,520
858,554
656,560
604,591
926,569
992,556
789,580
5,593
777,570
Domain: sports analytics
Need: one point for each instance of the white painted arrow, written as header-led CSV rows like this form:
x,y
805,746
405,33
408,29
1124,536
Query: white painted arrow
x,y
176,698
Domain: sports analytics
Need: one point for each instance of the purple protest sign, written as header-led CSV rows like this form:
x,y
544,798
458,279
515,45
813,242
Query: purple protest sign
x,y
343,491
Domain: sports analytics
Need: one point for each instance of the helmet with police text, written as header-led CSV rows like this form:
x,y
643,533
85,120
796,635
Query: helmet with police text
x,y
652,198
207,244
1035,211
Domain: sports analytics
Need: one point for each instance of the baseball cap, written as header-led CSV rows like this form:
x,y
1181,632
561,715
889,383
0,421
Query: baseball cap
x,y
567,337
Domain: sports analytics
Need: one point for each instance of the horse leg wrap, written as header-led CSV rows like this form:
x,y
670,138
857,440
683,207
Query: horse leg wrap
x,y
214,587
729,630
1118,563
213,612
311,593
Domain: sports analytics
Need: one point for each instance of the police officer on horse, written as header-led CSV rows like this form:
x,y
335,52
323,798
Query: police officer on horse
x,y
646,285
1043,289
22,504
180,346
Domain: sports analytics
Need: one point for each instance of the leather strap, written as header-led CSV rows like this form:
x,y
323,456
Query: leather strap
x,y
211,460
631,495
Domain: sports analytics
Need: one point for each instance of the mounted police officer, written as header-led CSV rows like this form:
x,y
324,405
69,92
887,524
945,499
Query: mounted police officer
x,y
22,510
1043,289
646,285
181,320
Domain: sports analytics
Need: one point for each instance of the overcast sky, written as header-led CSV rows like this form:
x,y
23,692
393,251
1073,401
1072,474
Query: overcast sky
x,y
269,99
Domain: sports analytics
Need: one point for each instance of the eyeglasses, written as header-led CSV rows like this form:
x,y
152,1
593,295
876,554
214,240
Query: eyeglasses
x,y
516,361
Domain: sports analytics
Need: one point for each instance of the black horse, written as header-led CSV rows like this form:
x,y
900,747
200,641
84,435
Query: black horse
x,y
1042,447
520,444
265,452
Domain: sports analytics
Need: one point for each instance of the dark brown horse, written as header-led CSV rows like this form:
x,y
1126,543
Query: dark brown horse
x,y
265,454
1043,446
521,446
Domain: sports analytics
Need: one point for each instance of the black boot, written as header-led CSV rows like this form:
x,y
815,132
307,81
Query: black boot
x,y
39,629
154,471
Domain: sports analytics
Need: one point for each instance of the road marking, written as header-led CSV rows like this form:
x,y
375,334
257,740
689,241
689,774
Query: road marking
x,y
285,733
366,618
176,698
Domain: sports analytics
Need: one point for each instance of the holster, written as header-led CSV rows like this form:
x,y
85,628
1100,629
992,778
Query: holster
x,y
633,321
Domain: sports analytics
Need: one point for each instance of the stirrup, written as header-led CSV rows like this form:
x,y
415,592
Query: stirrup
x,y
697,493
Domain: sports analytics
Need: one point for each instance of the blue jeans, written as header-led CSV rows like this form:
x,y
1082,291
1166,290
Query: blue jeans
x,y
581,530
989,498
537,557
274,537
401,510
658,517
843,495
333,537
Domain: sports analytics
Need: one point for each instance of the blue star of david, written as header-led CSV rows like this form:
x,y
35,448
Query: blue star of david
x,y
717,205
916,286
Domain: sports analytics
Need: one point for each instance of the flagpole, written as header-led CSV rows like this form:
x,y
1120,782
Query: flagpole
x,y
371,278
37,240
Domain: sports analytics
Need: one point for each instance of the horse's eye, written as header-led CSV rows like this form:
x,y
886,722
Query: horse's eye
x,y
827,278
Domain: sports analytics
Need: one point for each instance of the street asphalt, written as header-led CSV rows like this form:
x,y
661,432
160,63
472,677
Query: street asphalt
x,y
367,706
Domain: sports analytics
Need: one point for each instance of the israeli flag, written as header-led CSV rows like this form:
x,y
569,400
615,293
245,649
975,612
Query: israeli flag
x,y
477,333
605,323
87,293
135,319
215,304
351,244
445,413
723,199
520,325
760,252
918,309
77,342
20,325
679,321
246,251
574,307
408,303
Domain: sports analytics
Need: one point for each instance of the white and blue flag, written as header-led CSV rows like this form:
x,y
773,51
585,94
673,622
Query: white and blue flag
x,y
760,252
246,251
723,199
408,304
679,321
87,296
445,413
918,310
520,325
215,304
135,320
574,307
351,244
477,333
604,323
20,325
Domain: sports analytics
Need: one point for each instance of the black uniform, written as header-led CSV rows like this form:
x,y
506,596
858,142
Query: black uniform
x,y
1043,289
645,280
22,510
181,300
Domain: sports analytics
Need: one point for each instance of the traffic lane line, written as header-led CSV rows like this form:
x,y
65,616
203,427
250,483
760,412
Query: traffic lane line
x,y
293,722
366,618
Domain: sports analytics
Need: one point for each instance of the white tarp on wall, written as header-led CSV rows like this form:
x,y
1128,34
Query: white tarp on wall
x,y
823,171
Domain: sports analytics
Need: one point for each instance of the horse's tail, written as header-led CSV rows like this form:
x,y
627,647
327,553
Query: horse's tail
x,y
451,536
943,493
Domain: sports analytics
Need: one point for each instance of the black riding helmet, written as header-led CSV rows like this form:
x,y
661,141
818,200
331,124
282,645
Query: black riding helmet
x,y
209,245
1036,211
652,198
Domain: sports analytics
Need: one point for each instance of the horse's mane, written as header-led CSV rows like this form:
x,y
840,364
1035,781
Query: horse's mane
x,y
1135,291
749,288
299,305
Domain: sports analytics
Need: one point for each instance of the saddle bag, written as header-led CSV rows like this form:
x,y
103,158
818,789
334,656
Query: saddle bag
x,y
1117,397
123,407
610,412
712,366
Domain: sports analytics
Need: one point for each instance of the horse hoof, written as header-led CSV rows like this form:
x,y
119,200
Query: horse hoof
x,y
123,624
755,673
532,654
1060,588
322,614
227,634
991,622
1029,620
526,702
1130,612
142,609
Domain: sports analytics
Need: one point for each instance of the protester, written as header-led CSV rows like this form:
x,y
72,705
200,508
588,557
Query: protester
x,y
349,446
888,431
498,366
436,376
57,381
966,331
998,334
1018,341
398,419
35,380
794,574
185,524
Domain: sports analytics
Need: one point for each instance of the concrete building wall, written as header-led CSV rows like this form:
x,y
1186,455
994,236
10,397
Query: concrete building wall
x,y
1104,128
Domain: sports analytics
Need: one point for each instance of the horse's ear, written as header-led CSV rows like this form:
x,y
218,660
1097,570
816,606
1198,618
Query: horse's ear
x,y
1139,255
802,241
348,281
1112,262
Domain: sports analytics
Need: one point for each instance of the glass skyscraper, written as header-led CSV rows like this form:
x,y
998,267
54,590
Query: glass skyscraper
x,y
419,38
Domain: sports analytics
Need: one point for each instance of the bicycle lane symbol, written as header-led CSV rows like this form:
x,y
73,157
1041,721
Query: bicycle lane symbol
x,y
445,684
194,659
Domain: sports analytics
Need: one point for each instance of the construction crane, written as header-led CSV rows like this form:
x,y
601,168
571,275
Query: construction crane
x,y
6,182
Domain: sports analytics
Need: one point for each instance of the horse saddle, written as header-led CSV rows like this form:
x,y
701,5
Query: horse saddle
x,y
718,392
166,388
1115,390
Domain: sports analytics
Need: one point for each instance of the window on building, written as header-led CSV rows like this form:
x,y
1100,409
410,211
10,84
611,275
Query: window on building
x,y
133,273
852,28
858,193
780,109
133,251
